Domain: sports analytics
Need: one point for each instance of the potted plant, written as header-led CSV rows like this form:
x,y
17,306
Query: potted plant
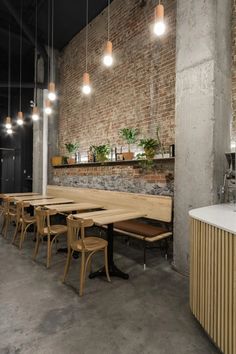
x,y
150,147
101,152
130,136
71,148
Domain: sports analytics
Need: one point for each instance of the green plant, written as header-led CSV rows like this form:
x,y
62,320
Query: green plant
x,y
129,135
72,147
101,151
149,143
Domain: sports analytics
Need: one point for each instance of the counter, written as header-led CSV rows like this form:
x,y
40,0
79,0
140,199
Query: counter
x,y
213,273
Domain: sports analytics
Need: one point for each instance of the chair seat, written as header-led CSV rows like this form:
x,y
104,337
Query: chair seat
x,y
56,229
91,244
29,219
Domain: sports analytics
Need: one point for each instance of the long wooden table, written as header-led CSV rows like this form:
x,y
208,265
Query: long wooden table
x,y
28,198
67,208
109,217
42,202
17,194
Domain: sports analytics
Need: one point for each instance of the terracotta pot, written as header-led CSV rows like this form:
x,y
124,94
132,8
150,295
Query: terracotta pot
x,y
56,160
71,160
128,155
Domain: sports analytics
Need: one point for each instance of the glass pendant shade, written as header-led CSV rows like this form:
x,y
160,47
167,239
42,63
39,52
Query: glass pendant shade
x,y
8,123
86,88
107,59
159,25
20,119
48,108
35,113
51,91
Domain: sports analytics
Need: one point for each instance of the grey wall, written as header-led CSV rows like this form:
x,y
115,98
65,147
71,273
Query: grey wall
x,y
203,110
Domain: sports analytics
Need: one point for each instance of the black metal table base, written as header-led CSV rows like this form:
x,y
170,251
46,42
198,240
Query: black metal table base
x,y
113,272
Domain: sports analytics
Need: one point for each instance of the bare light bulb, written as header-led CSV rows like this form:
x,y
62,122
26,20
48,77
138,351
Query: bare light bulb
x,y
107,60
35,114
8,125
86,88
19,120
52,96
9,131
48,110
159,28
51,91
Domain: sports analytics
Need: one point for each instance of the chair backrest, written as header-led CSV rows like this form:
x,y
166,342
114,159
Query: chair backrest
x,y
76,228
43,218
18,211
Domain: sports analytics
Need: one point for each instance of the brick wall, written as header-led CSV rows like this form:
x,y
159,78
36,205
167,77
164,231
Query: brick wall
x,y
234,69
138,91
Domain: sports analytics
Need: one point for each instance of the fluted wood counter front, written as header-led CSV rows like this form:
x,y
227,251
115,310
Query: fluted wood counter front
x,y
213,273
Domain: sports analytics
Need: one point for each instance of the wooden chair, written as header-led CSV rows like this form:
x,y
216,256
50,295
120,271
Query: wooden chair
x,y
44,228
88,246
23,222
9,214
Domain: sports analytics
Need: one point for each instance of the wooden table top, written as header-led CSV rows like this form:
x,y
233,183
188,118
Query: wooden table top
x,y
73,207
17,194
110,216
34,197
50,201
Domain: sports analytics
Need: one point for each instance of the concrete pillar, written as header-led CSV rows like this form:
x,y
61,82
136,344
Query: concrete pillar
x,y
203,110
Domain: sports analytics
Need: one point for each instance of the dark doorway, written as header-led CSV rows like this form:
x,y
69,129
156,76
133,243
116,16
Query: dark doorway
x,y
7,171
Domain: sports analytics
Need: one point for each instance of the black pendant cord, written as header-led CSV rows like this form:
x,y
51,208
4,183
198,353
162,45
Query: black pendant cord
x,y
9,71
86,48
20,79
52,43
49,59
108,20
36,53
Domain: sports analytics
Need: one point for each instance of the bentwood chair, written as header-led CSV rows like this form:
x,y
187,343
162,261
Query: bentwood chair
x,y
44,228
9,214
23,222
88,246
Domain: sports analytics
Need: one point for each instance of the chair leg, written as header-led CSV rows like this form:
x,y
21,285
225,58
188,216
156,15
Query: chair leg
x,y
106,264
23,233
144,254
15,233
67,266
82,265
36,250
6,227
3,224
49,252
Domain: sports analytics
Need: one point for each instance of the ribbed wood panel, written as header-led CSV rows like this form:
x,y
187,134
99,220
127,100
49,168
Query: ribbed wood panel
x,y
213,283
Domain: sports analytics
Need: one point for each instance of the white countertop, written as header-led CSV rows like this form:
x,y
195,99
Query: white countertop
x,y
222,216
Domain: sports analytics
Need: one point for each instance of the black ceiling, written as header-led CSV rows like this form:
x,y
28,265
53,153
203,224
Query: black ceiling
x,y
69,19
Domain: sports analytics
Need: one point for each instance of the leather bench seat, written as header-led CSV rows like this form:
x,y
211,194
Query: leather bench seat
x,y
141,230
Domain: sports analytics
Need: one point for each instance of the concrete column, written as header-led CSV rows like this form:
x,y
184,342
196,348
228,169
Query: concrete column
x,y
203,110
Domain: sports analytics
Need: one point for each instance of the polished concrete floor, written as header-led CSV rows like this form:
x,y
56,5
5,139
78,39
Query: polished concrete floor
x,y
147,314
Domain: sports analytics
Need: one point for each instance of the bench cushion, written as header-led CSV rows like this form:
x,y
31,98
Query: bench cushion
x,y
135,227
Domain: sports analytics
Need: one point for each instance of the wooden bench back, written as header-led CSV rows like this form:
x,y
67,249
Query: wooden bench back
x,y
154,206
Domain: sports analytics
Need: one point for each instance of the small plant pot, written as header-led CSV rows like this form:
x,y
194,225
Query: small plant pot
x,y
71,160
128,155
56,160
150,153
101,157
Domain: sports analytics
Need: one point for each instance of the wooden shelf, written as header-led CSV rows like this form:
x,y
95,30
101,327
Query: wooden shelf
x,y
111,163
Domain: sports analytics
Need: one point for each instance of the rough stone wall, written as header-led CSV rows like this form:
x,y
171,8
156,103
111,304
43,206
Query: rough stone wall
x,y
126,178
233,133
138,91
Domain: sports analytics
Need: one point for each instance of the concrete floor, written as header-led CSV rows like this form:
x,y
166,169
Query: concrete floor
x,y
147,314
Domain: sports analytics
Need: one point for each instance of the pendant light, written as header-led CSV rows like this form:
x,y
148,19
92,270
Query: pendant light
x,y
8,123
51,86
86,88
48,108
107,58
20,120
159,25
35,111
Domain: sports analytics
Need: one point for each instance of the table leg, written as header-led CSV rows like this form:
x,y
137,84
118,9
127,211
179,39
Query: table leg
x,y
113,270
